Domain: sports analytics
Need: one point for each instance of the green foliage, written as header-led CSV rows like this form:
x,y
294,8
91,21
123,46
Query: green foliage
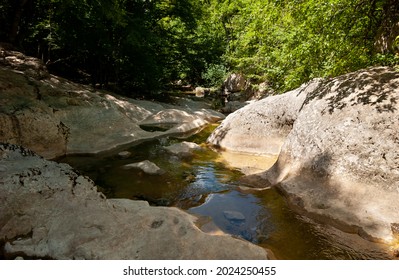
x,y
142,45
214,75
290,42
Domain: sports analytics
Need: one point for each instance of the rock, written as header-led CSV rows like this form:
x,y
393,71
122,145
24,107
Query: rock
x,y
395,230
234,216
261,127
146,166
183,149
202,92
234,83
49,211
34,67
233,106
182,120
339,140
3,168
35,127
55,117
263,90
124,154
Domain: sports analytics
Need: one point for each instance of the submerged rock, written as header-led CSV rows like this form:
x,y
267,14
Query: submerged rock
x,y
146,166
234,216
337,141
183,149
47,210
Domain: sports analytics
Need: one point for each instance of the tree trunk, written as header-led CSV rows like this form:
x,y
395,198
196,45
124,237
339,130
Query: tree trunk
x,y
12,36
389,28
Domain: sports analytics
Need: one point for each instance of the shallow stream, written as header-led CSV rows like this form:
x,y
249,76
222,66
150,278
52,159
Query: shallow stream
x,y
206,186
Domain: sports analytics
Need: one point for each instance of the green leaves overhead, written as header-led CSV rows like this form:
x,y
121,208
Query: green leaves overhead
x,y
290,42
142,45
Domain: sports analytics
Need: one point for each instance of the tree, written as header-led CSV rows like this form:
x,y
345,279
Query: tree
x,y
143,45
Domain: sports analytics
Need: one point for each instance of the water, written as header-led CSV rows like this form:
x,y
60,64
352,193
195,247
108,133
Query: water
x,y
206,187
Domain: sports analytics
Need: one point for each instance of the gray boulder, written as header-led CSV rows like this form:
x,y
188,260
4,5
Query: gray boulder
x,y
337,141
47,210
262,126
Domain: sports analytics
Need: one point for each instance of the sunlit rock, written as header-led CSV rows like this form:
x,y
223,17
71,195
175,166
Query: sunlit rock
x,y
183,149
56,117
337,141
48,211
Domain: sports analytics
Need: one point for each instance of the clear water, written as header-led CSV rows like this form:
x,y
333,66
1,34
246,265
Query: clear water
x,y
207,188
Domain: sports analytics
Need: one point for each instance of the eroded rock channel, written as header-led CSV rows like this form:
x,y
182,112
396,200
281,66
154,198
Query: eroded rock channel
x,y
204,184
335,143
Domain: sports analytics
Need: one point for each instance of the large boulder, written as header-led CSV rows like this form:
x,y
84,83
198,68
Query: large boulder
x,y
339,162
54,116
23,118
48,210
262,127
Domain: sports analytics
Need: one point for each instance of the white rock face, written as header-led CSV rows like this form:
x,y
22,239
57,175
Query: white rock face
x,y
338,146
53,116
47,210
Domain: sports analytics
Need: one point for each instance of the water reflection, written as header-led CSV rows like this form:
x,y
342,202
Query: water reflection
x,y
206,187
238,214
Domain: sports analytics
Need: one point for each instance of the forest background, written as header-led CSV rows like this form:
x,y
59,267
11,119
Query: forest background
x,y
142,46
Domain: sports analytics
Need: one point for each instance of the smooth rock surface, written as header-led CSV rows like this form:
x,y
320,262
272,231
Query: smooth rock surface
x,y
262,126
339,160
146,166
233,215
47,210
183,149
53,116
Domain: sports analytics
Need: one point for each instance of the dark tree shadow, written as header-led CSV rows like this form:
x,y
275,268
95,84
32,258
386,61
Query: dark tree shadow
x,y
373,86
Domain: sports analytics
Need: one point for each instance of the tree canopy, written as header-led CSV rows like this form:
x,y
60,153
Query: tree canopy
x,y
143,45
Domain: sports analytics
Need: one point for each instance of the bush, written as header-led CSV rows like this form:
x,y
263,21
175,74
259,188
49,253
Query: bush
x,y
214,75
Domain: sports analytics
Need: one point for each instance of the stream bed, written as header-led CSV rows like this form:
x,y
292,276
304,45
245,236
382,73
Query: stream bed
x,y
206,186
